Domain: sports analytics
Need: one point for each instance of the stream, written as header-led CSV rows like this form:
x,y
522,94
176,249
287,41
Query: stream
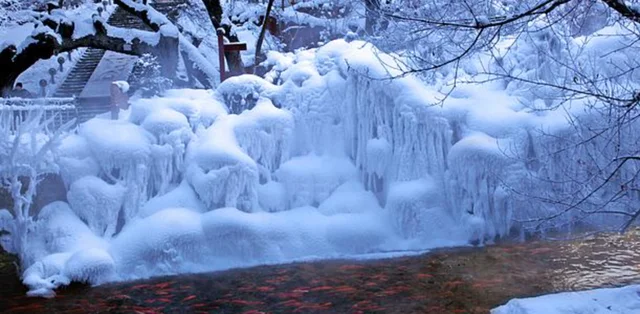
x,y
457,280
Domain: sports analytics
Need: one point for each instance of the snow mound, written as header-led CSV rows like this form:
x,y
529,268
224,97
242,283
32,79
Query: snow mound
x,y
117,143
407,201
256,238
624,300
164,121
93,266
97,203
265,134
221,173
272,196
349,198
58,229
310,180
58,234
477,164
182,196
46,275
75,159
167,242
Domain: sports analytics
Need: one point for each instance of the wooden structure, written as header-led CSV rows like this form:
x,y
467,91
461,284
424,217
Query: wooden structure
x,y
226,47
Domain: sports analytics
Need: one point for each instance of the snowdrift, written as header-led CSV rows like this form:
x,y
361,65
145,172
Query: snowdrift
x,y
624,300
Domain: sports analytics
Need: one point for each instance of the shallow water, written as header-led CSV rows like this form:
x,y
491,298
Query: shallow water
x,y
462,280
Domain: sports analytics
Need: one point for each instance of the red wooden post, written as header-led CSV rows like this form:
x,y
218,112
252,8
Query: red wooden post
x,y
222,48
235,47
220,33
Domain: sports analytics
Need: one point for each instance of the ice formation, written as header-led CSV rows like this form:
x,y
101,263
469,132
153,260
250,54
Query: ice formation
x,y
97,203
333,161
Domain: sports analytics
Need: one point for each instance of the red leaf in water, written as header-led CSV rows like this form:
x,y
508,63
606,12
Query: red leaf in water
x,y
541,250
289,295
191,297
164,300
361,304
162,285
435,309
29,307
243,302
453,283
480,284
295,303
139,286
253,312
265,289
424,276
380,277
306,307
344,289
321,288
350,267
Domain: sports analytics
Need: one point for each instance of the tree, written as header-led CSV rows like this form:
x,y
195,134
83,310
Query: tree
x,y
263,30
372,15
26,155
547,61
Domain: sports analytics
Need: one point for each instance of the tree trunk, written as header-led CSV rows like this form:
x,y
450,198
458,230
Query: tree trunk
x,y
258,58
372,16
214,8
15,63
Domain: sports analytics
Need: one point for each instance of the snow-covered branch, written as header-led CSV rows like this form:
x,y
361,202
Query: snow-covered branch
x,y
631,13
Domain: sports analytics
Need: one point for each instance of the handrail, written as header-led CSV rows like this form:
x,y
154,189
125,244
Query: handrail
x,y
31,104
52,101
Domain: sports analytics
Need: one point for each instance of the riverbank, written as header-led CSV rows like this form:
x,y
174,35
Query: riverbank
x,y
461,280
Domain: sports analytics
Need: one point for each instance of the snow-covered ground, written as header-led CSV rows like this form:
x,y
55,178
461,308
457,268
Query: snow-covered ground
x,y
624,300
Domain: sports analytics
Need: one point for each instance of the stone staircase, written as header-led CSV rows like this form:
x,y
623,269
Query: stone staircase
x,y
80,74
78,77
